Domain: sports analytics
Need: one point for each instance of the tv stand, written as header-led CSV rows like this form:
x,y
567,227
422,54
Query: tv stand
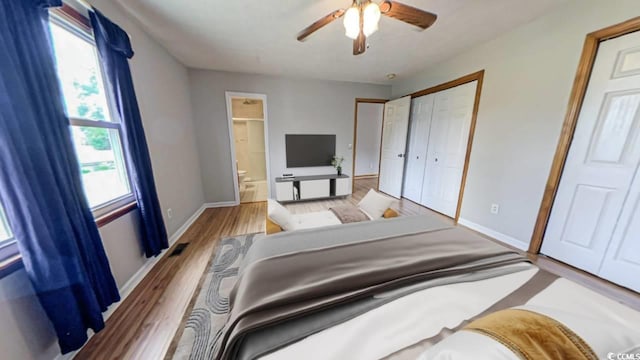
x,y
312,187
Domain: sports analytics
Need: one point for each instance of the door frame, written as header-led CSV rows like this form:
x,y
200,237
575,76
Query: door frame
x,y
229,95
355,136
476,76
580,84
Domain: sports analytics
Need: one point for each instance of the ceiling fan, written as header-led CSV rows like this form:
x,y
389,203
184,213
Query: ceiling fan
x,y
361,20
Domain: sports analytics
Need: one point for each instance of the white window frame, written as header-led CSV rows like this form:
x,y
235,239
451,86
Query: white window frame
x,y
114,124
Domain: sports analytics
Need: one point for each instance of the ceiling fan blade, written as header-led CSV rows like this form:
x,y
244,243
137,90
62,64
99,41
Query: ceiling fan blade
x,y
360,44
320,24
409,14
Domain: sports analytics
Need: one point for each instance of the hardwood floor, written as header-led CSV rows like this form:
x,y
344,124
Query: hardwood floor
x,y
362,186
145,323
149,322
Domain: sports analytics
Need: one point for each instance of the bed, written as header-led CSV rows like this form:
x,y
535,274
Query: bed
x,y
407,288
373,206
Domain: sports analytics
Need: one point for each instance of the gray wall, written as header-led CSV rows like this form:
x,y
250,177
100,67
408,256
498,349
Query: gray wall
x,y
368,138
293,106
163,94
529,75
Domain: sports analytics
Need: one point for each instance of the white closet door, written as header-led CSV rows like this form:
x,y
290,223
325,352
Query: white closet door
x,y
593,212
394,145
448,139
420,124
622,260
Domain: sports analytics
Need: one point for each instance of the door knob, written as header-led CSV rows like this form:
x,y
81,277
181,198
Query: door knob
x,y
436,159
400,155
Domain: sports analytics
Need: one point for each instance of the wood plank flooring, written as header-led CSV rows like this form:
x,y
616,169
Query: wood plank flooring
x,y
147,321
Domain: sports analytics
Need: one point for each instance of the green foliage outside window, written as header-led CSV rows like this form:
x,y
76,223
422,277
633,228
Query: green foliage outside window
x,y
98,138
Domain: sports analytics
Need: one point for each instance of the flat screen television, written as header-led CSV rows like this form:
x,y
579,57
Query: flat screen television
x,y
310,150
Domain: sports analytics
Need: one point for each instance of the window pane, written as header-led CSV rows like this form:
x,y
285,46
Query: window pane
x,y
102,164
80,75
5,232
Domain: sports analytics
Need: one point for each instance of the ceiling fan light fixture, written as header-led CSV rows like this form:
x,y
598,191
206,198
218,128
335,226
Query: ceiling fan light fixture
x,y
352,23
371,18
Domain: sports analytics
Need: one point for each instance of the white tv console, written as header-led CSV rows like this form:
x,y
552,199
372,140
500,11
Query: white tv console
x,y
301,188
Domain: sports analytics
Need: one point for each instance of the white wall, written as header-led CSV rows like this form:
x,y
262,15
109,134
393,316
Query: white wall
x,y
368,138
294,106
163,94
529,75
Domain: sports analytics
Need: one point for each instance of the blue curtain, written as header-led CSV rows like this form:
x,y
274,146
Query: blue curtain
x,y
40,183
115,51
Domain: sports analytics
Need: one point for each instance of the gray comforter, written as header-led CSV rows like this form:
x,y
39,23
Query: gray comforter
x,y
277,285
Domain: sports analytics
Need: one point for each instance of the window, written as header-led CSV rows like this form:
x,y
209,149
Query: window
x,y
96,133
5,231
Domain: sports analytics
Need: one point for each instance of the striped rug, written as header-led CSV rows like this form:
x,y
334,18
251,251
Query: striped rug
x,y
209,314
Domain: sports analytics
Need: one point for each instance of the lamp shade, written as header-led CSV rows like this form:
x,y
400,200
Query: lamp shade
x,y
371,17
352,23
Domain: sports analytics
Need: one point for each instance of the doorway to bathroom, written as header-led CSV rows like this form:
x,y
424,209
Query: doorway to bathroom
x,y
248,132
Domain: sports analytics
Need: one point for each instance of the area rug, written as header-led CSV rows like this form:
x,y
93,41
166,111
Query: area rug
x,y
204,324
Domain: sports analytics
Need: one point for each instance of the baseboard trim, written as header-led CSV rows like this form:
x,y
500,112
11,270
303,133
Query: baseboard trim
x,y
135,280
366,176
221,204
131,284
509,240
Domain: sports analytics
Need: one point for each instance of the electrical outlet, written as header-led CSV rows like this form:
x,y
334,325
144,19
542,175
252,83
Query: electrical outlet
x,y
169,213
495,208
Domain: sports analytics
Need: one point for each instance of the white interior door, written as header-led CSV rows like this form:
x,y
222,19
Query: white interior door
x,y
594,220
622,260
420,125
447,148
394,144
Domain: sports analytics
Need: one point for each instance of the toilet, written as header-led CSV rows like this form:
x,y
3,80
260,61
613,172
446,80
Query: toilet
x,y
242,175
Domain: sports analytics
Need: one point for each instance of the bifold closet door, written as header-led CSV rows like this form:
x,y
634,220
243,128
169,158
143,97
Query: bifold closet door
x,y
594,223
420,124
394,144
447,147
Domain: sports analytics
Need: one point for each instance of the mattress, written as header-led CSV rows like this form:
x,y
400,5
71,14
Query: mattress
x,y
350,291
398,330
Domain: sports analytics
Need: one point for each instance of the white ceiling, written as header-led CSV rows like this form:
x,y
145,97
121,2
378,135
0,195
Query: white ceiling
x,y
259,36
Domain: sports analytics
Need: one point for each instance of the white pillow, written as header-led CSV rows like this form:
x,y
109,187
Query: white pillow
x,y
375,204
280,215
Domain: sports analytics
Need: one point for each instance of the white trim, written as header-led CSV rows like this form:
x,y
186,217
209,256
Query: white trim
x,y
221,204
133,282
509,240
228,96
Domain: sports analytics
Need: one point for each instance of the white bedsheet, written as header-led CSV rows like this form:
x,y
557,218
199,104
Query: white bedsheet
x,y
315,220
603,323
408,320
607,326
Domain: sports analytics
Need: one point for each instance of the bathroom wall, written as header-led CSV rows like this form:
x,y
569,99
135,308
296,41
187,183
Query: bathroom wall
x,y
241,140
253,110
256,148
249,137
250,148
